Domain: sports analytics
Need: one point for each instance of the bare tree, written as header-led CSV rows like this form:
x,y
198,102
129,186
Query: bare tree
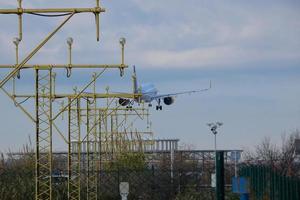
x,y
287,160
282,158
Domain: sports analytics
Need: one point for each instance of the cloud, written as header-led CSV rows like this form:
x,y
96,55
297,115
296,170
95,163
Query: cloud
x,y
218,34
172,33
211,57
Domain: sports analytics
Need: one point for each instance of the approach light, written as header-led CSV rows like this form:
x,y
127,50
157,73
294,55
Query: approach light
x,y
70,41
16,41
122,41
219,124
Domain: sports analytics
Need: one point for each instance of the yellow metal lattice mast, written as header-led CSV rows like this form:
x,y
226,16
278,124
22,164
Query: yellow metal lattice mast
x,y
43,134
43,93
74,151
92,146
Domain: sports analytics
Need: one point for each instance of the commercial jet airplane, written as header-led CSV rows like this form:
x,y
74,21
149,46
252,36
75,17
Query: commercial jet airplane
x,y
148,94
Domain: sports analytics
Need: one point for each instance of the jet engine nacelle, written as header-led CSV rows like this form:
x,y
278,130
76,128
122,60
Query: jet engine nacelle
x,y
124,102
168,100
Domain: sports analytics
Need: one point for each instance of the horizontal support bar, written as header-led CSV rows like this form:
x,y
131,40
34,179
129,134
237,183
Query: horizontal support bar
x,y
122,114
112,109
19,11
120,133
83,95
63,66
148,152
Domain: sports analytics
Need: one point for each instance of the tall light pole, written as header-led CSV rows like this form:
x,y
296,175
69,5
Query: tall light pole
x,y
218,176
213,129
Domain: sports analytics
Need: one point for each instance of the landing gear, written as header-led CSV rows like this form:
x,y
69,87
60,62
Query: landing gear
x,y
129,106
159,107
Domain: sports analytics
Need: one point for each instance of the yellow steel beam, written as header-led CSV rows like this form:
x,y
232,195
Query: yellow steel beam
x,y
92,153
18,105
141,132
119,109
83,95
29,115
43,136
64,66
104,118
80,93
19,66
60,133
20,21
74,151
20,11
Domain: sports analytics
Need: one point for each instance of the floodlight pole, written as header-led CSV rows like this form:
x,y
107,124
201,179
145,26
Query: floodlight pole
x,y
213,128
215,143
235,164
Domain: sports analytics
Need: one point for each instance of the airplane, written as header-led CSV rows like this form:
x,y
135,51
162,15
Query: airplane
x,y
149,93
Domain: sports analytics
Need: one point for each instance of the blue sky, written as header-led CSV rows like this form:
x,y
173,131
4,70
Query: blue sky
x,y
249,49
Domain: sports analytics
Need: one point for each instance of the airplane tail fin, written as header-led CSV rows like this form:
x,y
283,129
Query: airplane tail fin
x,y
134,80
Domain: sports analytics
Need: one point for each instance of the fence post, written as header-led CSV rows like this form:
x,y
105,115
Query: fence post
x,y
220,181
153,182
118,175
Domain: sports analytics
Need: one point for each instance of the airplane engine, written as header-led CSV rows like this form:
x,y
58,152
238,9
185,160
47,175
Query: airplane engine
x,y
124,102
168,100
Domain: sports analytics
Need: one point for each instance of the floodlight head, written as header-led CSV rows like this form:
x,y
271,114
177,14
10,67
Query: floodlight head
x,y
122,41
219,123
214,129
16,41
70,41
209,124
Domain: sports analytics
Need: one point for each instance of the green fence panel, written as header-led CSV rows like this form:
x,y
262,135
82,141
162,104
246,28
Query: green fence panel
x,y
265,183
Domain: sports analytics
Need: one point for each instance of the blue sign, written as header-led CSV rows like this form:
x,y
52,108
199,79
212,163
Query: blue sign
x,y
240,185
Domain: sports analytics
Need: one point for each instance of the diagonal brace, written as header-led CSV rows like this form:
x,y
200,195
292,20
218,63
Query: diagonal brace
x,y
19,66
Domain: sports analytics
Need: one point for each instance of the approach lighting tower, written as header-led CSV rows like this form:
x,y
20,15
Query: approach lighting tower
x,y
44,115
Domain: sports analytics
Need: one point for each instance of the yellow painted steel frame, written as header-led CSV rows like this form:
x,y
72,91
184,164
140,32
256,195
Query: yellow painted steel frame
x,y
115,137
74,151
43,134
44,119
33,52
93,154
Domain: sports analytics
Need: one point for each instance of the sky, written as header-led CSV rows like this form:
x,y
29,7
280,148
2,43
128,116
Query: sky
x,y
250,50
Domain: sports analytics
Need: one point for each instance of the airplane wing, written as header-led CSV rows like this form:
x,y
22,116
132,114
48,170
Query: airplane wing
x,y
179,93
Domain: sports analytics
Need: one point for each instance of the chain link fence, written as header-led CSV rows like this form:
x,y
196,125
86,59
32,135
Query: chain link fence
x,y
148,184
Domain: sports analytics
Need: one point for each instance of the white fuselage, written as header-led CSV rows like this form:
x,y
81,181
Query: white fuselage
x,y
149,92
